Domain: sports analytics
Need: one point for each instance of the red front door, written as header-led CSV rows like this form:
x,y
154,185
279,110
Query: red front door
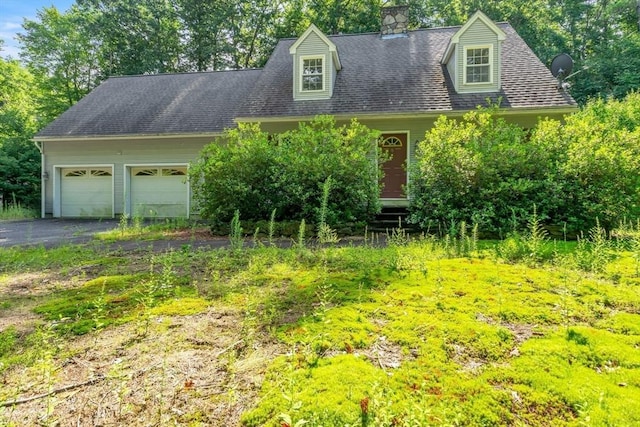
x,y
395,169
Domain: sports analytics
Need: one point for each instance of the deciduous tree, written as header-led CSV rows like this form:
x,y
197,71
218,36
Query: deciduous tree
x,y
19,159
62,56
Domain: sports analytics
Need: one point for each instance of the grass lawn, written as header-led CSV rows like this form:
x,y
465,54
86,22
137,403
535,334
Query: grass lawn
x,y
429,332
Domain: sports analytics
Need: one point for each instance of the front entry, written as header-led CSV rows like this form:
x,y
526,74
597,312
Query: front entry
x,y
395,172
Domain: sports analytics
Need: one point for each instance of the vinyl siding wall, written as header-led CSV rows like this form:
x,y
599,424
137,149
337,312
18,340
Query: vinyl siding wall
x,y
451,67
478,34
313,46
117,153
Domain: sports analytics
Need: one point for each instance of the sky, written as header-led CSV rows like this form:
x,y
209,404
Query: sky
x,y
12,14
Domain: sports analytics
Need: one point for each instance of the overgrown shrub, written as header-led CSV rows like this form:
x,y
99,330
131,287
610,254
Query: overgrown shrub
x,y
602,170
253,172
486,171
480,170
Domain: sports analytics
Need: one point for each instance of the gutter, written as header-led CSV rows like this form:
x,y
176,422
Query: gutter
x,y
128,137
43,191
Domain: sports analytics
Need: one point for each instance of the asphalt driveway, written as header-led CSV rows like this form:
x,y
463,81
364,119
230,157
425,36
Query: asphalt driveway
x,y
52,231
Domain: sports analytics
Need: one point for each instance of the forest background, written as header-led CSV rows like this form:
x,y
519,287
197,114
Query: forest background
x,y
65,54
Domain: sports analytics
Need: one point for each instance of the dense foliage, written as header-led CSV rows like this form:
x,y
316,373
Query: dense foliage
x,y
254,172
486,171
602,168
19,158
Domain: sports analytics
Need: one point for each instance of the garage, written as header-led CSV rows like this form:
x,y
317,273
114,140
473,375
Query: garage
x,y
86,192
159,191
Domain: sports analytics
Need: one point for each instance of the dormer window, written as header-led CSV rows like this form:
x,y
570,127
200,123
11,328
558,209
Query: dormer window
x,y
473,56
315,66
477,61
312,73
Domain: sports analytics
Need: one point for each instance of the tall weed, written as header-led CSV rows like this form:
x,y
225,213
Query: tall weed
x,y
15,210
398,235
325,233
236,240
593,252
531,247
272,226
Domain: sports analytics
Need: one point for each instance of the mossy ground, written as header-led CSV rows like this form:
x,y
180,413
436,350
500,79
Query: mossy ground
x,y
427,333
478,342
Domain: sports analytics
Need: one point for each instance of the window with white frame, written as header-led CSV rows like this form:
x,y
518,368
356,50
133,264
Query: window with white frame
x,y
478,64
312,74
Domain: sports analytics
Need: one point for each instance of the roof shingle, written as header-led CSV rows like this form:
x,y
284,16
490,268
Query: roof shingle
x,y
157,104
401,75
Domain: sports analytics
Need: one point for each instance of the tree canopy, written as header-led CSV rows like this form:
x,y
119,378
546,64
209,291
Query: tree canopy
x,y
19,159
94,39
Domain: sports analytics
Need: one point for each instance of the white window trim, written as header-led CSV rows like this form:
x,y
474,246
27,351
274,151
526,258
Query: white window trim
x,y
324,73
465,49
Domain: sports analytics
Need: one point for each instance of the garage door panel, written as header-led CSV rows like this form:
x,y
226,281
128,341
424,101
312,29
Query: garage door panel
x,y
86,192
159,192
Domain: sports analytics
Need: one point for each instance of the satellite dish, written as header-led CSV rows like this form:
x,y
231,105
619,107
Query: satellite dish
x,y
561,66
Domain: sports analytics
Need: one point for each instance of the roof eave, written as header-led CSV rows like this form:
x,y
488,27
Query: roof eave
x,y
409,114
447,53
124,136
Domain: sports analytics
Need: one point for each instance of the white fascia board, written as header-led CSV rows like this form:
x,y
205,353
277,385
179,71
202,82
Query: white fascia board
x,y
332,47
486,20
127,137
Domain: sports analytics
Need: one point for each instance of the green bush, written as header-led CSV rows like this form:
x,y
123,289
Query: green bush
x,y
602,170
486,171
19,158
480,170
254,172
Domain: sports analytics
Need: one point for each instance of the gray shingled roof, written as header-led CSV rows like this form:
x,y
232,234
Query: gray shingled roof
x,y
402,75
378,76
157,104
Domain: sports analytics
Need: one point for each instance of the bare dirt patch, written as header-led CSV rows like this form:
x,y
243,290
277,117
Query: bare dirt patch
x,y
186,369
20,292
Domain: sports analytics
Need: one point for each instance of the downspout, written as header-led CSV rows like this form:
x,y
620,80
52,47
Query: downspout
x,y
43,191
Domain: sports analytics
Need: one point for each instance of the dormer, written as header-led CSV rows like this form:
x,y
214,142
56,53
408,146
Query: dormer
x,y
474,56
315,65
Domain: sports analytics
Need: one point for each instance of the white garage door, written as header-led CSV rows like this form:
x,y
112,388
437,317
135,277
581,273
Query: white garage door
x,y
86,192
159,192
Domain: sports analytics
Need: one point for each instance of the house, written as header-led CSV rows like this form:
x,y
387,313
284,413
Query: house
x,y
125,148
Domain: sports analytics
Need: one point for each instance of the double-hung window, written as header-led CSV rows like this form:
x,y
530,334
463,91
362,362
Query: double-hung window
x,y
478,64
312,74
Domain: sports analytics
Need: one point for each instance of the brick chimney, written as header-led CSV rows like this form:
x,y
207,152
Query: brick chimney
x,y
395,20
